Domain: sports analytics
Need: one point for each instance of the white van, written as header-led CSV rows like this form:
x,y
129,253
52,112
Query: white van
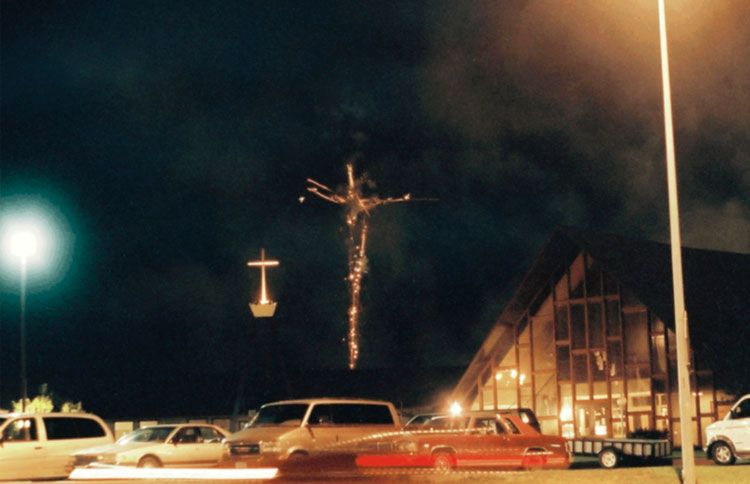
x,y
35,446
294,429
729,438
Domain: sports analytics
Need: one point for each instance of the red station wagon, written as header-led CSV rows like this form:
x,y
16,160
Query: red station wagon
x,y
478,440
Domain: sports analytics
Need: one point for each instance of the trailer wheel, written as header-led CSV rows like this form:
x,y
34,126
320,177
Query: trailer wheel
x,y
609,458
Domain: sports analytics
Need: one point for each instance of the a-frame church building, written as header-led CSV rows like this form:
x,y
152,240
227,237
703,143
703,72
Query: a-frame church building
x,y
587,340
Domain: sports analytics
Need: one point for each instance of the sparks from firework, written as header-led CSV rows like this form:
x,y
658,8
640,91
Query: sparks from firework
x,y
358,209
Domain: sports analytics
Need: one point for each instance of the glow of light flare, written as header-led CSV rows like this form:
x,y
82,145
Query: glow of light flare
x,y
130,472
358,209
456,409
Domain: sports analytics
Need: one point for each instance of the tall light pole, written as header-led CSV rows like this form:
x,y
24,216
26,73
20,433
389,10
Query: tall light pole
x,y
680,316
265,308
23,246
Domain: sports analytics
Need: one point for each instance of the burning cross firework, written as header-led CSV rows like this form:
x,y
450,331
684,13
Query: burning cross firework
x,y
358,209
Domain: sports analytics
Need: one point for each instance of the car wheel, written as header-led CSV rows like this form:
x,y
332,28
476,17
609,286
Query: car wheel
x,y
149,461
442,462
722,454
608,458
298,456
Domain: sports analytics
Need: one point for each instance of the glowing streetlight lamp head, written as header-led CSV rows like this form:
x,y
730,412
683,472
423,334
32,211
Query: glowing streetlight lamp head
x,y
23,244
37,234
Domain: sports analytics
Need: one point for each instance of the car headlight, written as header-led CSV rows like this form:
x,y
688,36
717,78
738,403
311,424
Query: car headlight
x,y
106,458
270,446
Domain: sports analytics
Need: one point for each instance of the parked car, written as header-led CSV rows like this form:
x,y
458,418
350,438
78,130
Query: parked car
x,y
729,439
477,440
178,445
37,446
295,429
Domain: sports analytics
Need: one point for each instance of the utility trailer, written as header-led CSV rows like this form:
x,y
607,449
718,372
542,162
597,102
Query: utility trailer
x,y
610,452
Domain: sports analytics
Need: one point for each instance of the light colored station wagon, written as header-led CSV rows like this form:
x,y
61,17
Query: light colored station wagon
x,y
169,445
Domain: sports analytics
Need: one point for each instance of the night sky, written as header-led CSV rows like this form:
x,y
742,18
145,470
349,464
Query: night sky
x,y
173,138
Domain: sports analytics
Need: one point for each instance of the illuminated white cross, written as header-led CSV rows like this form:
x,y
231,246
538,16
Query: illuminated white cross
x,y
263,263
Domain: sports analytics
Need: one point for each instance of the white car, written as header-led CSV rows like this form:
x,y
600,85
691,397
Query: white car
x,y
729,439
177,445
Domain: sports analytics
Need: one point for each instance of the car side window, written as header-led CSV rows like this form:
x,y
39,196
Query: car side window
x,y
20,430
89,428
486,426
62,428
743,409
360,414
320,415
210,435
439,423
513,428
187,435
351,414
446,423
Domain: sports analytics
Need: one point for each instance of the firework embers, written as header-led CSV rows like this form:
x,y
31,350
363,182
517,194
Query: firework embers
x,y
358,208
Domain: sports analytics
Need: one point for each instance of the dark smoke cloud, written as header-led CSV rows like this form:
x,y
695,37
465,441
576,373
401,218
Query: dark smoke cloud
x,y
587,73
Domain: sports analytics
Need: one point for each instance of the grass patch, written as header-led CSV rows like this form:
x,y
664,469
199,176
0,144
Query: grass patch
x,y
665,474
717,474
706,474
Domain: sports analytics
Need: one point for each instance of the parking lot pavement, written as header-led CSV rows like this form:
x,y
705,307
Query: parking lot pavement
x,y
707,473
619,476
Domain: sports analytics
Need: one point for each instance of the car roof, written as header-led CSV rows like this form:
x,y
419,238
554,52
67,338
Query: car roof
x,y
181,424
487,413
48,414
329,400
484,413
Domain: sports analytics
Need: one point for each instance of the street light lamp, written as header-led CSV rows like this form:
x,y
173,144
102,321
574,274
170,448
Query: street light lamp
x,y
23,245
680,316
36,238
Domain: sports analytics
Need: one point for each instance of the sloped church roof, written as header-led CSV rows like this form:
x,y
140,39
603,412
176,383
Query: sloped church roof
x,y
717,297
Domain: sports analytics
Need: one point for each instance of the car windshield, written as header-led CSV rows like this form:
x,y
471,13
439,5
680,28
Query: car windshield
x,y
281,414
419,419
148,434
444,422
